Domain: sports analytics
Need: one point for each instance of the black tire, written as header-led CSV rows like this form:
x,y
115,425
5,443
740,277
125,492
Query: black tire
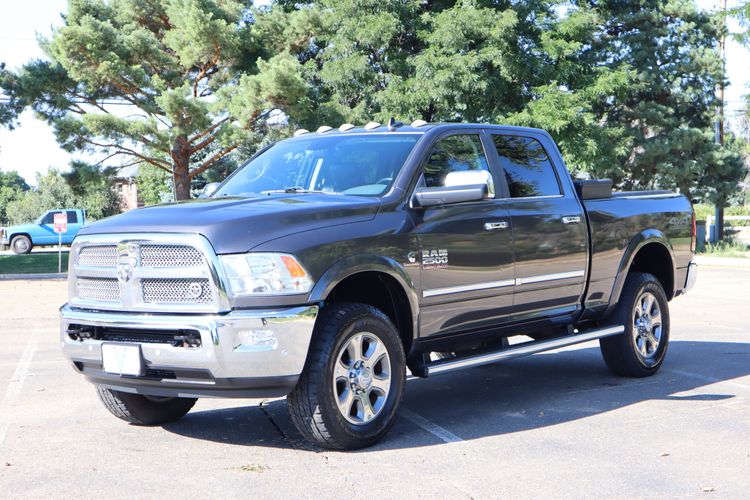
x,y
144,410
621,352
21,245
312,404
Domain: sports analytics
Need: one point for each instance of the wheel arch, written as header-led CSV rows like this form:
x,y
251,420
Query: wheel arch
x,y
651,252
363,279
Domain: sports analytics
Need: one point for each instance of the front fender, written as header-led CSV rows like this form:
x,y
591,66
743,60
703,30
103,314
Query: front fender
x,y
352,265
636,243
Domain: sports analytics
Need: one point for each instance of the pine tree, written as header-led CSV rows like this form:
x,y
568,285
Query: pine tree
x,y
189,73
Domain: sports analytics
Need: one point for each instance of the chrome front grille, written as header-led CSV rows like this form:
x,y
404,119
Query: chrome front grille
x,y
98,289
149,272
176,291
98,256
170,256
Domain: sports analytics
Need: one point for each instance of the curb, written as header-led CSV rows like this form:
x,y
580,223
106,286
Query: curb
x,y
34,276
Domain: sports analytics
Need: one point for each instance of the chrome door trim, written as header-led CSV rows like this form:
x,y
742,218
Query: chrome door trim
x,y
467,288
550,277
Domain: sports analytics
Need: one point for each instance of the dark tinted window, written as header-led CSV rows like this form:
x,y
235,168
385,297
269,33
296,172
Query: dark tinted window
x,y
49,218
527,167
72,217
454,154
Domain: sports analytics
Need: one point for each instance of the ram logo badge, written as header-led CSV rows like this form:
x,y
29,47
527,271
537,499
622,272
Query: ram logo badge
x,y
434,259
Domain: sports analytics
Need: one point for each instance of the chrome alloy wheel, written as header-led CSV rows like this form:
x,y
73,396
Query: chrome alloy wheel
x,y
362,378
647,326
21,245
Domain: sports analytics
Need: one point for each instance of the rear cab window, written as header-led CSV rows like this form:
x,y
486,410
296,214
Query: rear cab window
x,y
528,169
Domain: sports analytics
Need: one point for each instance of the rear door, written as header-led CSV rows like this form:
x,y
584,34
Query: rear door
x,y
466,248
548,226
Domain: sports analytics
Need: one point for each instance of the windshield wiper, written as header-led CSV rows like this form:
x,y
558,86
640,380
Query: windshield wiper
x,y
296,189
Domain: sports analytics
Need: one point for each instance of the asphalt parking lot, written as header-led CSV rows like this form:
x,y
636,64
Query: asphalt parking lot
x,y
556,425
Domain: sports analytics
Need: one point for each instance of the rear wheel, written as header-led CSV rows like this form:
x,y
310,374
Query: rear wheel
x,y
350,390
144,410
21,244
644,311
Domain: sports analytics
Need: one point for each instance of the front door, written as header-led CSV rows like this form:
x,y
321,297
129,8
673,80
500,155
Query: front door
x,y
466,248
549,231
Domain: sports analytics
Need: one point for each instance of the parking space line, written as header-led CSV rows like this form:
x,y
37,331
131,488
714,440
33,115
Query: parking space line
x,y
16,383
711,380
433,428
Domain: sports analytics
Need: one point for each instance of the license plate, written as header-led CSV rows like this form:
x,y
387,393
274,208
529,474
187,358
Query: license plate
x,y
122,359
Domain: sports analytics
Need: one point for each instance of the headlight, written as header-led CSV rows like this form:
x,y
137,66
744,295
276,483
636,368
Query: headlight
x,y
265,274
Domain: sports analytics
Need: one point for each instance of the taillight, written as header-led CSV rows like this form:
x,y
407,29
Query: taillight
x,y
693,234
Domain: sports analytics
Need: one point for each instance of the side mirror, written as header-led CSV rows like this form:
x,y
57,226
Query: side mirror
x,y
430,197
209,189
471,178
462,186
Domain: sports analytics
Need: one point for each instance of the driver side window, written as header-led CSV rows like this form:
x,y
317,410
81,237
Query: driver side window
x,y
49,218
454,154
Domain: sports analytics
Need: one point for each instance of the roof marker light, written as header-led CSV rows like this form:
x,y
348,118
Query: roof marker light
x,y
324,129
346,127
372,126
418,123
301,131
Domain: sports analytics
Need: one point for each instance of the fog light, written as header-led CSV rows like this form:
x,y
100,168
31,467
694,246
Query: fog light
x,y
256,340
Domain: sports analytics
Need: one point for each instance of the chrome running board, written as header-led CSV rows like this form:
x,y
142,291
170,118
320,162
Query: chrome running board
x,y
520,350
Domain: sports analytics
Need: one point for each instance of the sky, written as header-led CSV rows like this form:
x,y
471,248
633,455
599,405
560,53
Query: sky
x,y
31,147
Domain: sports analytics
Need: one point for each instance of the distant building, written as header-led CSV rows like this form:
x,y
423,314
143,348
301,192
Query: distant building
x,y
125,186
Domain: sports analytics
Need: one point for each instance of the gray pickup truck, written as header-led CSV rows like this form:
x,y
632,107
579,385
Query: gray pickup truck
x,y
334,260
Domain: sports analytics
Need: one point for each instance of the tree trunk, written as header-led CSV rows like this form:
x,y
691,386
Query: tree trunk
x,y
181,170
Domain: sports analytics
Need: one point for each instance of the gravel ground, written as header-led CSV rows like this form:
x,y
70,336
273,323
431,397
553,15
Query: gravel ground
x,y
556,425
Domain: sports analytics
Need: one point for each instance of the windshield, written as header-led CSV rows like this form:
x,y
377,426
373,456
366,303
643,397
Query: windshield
x,y
341,164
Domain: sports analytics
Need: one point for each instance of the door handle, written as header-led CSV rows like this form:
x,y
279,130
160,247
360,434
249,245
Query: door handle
x,y
571,219
491,226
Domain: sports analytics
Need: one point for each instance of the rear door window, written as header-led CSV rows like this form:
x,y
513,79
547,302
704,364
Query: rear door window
x,y
527,166
72,217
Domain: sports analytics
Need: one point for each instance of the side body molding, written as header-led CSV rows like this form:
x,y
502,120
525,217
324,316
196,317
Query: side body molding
x,y
636,243
350,266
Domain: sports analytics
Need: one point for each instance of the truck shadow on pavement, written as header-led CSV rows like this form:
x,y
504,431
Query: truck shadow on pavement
x,y
504,398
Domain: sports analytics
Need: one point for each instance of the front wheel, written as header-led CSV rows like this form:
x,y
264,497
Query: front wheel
x,y
644,311
21,245
144,410
350,390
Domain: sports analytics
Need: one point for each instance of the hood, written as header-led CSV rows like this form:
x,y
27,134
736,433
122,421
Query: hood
x,y
235,225
23,228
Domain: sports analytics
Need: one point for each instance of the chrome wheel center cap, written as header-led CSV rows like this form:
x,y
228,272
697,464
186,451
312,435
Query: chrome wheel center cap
x,y
361,378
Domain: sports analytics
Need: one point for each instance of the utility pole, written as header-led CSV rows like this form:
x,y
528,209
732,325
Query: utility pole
x,y
719,214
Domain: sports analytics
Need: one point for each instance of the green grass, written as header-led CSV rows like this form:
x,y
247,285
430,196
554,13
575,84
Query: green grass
x,y
732,249
32,263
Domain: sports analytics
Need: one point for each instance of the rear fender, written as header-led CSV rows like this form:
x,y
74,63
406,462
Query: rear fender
x,y
637,243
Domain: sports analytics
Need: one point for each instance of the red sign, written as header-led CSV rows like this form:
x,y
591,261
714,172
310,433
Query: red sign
x,y
61,222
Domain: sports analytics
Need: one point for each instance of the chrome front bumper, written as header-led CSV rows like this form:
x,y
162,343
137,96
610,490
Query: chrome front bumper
x,y
244,353
692,274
